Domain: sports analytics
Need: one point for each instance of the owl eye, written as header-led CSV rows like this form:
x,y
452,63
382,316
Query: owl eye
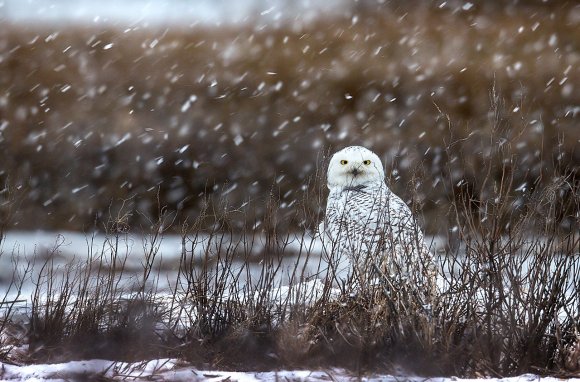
x,y
343,162
366,162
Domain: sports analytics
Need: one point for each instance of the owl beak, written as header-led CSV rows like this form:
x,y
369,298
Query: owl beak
x,y
355,172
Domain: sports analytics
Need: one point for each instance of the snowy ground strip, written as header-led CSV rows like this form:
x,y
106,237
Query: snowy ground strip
x,y
174,370
21,250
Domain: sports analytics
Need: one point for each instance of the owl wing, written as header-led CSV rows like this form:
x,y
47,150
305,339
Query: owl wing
x,y
405,252
403,230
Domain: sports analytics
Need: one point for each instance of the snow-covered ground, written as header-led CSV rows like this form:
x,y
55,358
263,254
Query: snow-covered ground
x,y
172,370
19,249
163,11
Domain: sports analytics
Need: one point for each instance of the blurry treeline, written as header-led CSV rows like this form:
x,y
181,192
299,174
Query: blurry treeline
x,y
238,117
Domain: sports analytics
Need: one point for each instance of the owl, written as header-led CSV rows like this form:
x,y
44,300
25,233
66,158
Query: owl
x,y
368,232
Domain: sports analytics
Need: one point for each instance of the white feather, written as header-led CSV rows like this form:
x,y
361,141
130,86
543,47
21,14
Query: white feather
x,y
367,229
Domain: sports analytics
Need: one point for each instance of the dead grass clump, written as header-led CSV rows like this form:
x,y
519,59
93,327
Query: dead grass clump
x,y
362,332
89,311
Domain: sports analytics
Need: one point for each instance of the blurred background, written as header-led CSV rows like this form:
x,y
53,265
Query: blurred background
x,y
111,111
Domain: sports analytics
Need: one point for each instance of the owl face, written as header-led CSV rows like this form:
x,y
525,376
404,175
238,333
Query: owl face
x,y
354,166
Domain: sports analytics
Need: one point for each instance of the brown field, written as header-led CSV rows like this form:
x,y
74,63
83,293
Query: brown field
x,y
93,119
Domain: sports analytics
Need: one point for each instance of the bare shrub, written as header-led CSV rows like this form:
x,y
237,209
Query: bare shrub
x,y
12,299
94,302
509,287
506,305
257,296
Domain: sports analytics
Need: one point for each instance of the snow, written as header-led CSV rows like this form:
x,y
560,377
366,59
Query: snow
x,y
174,370
187,104
18,249
160,12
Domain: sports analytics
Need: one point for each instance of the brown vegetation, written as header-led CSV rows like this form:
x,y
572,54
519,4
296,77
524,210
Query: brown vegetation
x,y
94,117
507,301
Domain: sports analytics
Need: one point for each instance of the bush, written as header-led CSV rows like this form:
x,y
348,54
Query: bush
x,y
506,300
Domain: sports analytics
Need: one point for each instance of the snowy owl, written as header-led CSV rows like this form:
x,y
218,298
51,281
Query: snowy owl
x,y
368,232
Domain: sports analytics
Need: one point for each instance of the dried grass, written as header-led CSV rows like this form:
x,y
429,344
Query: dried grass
x,y
84,127
506,303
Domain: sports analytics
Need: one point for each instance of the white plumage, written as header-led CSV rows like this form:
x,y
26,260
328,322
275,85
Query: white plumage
x,y
368,231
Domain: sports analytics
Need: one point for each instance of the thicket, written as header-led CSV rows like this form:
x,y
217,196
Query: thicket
x,y
507,298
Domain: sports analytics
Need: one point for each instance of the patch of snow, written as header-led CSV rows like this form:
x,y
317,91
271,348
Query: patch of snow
x,y
174,370
163,11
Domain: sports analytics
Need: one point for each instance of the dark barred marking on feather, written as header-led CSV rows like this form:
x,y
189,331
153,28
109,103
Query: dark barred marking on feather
x,y
359,188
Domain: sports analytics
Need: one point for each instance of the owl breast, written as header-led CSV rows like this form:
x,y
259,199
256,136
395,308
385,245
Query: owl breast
x,y
355,220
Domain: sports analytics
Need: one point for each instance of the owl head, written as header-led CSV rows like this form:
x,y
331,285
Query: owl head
x,y
354,166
